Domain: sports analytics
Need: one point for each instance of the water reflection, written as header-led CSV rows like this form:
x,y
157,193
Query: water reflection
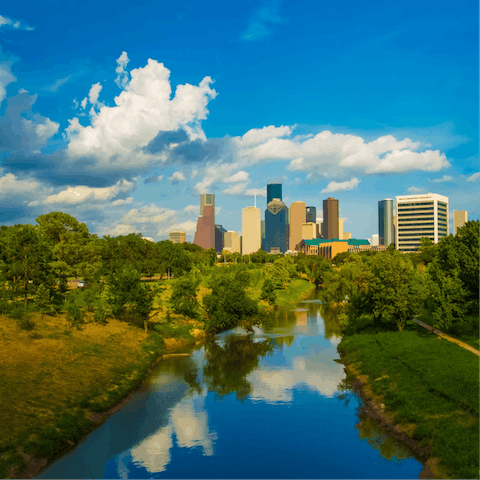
x,y
369,430
221,412
228,364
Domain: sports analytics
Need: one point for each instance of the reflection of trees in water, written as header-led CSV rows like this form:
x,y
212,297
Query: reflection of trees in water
x,y
370,430
228,365
280,341
330,314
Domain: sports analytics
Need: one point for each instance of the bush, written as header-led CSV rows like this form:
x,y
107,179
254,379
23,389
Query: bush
x,y
75,315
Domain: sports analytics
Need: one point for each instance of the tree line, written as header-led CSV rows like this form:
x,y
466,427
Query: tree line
x,y
391,288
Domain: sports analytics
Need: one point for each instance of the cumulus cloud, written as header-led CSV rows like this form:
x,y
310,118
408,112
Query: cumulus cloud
x,y
177,177
148,214
237,189
122,75
16,24
474,177
12,187
240,176
445,178
118,229
81,194
119,202
194,209
414,190
6,77
83,103
336,186
188,227
94,92
118,135
259,192
21,129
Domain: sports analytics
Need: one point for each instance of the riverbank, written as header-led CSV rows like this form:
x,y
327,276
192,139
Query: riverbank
x,y
423,390
93,372
60,383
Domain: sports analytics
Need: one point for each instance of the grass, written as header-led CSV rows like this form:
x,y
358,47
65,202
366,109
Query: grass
x,y
430,385
53,377
467,332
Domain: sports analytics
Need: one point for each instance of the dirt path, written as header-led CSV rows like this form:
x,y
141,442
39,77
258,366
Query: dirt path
x,y
448,337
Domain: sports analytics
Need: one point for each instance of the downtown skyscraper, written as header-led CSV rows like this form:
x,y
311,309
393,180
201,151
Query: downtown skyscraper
x,y
385,222
205,234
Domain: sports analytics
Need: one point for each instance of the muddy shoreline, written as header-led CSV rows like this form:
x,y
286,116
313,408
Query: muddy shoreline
x,y
375,409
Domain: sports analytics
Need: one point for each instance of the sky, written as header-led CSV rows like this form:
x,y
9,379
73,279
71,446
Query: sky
x,y
122,114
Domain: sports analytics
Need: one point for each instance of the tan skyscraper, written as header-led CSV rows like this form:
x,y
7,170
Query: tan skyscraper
x,y
309,231
251,230
340,228
177,237
460,218
232,242
298,216
330,218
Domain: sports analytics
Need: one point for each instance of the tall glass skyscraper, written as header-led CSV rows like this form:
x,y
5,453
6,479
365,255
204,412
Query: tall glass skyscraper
x,y
385,221
276,222
274,190
311,214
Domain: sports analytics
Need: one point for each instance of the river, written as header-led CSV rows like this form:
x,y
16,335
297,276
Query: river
x,y
273,404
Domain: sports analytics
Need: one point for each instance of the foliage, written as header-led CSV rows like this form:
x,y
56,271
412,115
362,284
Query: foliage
x,y
75,315
228,303
42,298
268,291
184,296
283,271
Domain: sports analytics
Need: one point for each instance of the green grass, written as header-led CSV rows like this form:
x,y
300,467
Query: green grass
x,y
294,292
466,332
426,381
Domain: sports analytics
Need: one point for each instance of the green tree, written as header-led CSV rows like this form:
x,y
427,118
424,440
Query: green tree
x,y
389,288
268,291
42,299
184,296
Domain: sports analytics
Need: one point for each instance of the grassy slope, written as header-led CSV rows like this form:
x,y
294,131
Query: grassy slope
x,y
53,377
428,382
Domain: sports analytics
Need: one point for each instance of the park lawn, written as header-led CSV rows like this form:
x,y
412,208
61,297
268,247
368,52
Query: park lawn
x,y
431,387
53,377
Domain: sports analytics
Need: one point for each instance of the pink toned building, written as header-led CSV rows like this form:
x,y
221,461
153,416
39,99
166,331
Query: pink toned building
x,y
205,234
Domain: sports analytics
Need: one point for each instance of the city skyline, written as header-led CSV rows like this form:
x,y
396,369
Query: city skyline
x,y
125,129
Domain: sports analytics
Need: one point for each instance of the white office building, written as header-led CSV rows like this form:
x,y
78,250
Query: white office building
x,y
419,216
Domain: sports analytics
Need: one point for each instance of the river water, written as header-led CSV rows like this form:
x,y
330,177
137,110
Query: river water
x,y
274,404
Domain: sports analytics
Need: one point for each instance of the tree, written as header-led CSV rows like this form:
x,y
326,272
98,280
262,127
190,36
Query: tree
x,y
42,299
389,288
268,291
184,296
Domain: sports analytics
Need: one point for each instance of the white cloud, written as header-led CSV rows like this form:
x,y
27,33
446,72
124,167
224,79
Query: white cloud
x,y
16,24
240,176
122,75
413,190
257,136
148,214
81,194
193,209
5,78
118,135
336,186
19,191
238,189
41,127
259,192
94,92
116,203
177,177
118,229
188,227
474,177
445,178
83,103
58,84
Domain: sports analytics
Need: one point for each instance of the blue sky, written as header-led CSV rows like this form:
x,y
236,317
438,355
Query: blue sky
x,y
122,113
